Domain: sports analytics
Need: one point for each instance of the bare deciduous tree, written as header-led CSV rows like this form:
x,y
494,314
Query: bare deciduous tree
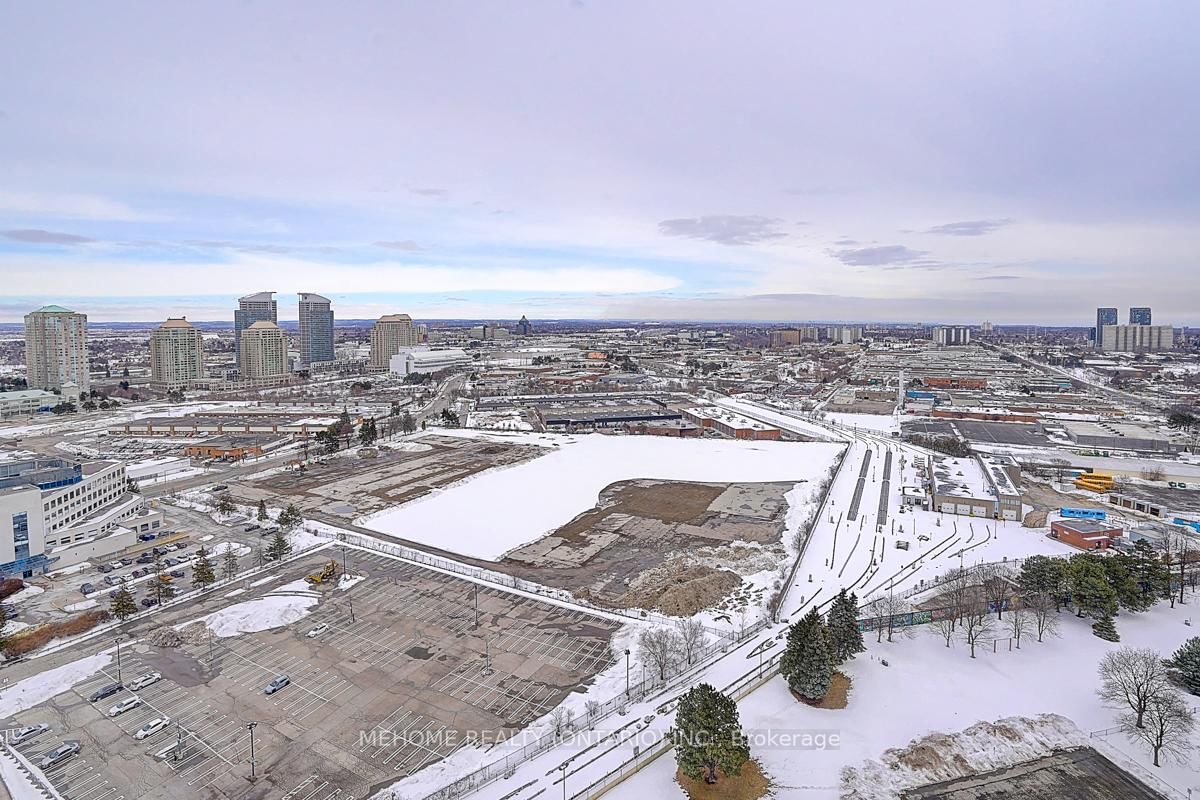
x,y
560,718
1044,610
889,607
944,627
957,592
691,638
1132,677
1020,620
661,648
997,584
592,707
976,624
1166,726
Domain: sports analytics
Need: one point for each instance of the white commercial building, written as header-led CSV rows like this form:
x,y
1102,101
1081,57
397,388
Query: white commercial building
x,y
1137,338
176,355
25,403
56,355
57,510
423,360
949,336
390,334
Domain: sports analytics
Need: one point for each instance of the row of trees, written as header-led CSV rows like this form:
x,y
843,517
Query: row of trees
x,y
1138,682
669,650
817,646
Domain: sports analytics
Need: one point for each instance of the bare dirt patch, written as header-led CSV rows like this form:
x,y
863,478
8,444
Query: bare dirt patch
x,y
836,698
749,784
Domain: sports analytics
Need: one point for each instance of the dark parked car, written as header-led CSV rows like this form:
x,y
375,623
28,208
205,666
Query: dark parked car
x,y
145,558
87,588
146,537
249,528
105,691
176,573
159,550
181,545
170,562
149,601
137,573
59,754
104,568
127,561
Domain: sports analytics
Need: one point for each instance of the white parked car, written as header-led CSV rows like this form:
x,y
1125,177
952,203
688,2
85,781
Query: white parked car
x,y
115,564
125,705
317,631
142,681
152,727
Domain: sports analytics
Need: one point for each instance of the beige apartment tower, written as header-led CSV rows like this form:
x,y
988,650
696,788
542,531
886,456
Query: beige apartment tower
x,y
264,350
176,355
56,355
390,333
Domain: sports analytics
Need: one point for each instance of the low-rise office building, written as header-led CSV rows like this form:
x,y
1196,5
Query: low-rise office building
x,y
26,403
1086,534
414,360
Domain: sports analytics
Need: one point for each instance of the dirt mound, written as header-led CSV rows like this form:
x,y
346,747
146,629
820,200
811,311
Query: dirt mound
x,y
679,588
1035,519
749,784
165,637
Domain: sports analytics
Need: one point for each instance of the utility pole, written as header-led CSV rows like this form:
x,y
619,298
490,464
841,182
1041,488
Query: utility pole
x,y
626,673
476,585
118,641
250,726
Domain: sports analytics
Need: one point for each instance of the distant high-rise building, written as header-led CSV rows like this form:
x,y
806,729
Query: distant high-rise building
x,y
176,355
316,329
1104,316
56,355
264,351
251,309
523,327
1139,315
389,335
1137,338
986,328
948,336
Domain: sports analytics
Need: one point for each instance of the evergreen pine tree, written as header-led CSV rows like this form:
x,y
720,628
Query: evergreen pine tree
x,y
3,628
229,564
798,637
845,638
1187,661
122,605
162,585
202,570
814,671
225,505
1105,629
290,517
1090,590
279,547
263,516
708,735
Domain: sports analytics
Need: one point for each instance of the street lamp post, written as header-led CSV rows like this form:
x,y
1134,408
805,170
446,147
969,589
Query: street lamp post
x,y
250,726
626,673
118,641
563,768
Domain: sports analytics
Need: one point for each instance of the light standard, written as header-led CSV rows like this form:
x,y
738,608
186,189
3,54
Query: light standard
x,y
563,768
627,673
250,726
118,641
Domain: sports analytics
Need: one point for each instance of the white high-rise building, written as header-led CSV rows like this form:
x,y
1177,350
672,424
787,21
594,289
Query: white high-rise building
x,y
264,351
176,355
389,334
1137,338
948,336
316,329
56,355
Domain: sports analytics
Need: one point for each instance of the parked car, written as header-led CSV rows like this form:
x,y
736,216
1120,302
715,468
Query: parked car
x,y
220,487
115,564
105,691
59,754
127,562
152,727
317,631
249,528
176,573
159,550
147,537
145,558
170,562
142,681
105,568
182,545
29,732
111,580
149,601
87,588
277,684
128,704
113,592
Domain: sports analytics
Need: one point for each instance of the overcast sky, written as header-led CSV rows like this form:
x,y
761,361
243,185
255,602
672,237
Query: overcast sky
x,y
949,161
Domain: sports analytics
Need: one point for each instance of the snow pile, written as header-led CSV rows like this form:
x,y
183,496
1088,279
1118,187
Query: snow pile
x,y
347,581
41,687
408,447
238,549
81,605
20,786
28,593
283,606
983,747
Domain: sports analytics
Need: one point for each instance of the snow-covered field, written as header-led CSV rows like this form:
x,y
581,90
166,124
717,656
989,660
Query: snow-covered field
x,y
41,687
927,687
884,423
495,511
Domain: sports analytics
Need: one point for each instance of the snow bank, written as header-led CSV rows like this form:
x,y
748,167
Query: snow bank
x,y
983,747
28,593
41,687
524,501
283,606
19,784
347,581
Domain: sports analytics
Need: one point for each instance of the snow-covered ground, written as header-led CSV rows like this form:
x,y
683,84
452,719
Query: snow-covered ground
x,y
277,608
491,513
884,423
927,687
41,687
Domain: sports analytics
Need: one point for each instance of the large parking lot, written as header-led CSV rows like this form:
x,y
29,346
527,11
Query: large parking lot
x,y
425,658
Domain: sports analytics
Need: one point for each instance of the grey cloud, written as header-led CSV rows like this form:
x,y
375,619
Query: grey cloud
x,y
36,236
402,244
975,227
727,229
883,255
998,278
430,192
